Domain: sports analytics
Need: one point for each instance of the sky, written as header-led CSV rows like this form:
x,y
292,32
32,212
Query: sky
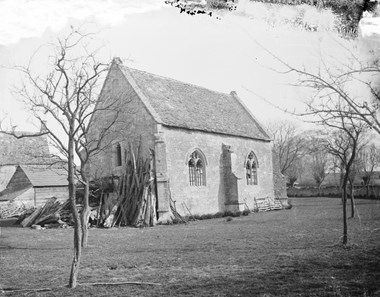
x,y
224,53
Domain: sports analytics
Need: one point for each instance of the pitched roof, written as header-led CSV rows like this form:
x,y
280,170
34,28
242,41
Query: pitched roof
x,y
8,194
42,176
6,173
178,104
27,150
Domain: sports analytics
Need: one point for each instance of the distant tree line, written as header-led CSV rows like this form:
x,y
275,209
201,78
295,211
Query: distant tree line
x,y
314,154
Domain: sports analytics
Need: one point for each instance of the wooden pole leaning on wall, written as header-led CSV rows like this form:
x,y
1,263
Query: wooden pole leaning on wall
x,y
137,199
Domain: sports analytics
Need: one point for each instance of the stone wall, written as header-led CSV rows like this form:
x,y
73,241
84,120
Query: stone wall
x,y
279,180
133,124
212,197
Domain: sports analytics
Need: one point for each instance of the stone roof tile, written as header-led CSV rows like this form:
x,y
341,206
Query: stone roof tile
x,y
188,106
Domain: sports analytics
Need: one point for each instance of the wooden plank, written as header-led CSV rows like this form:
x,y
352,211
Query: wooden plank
x,y
27,222
262,204
53,217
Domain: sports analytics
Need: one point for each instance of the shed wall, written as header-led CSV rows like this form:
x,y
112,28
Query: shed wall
x,y
43,194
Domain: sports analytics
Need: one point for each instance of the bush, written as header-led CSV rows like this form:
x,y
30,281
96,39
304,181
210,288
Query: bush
x,y
177,221
228,213
207,216
246,212
218,215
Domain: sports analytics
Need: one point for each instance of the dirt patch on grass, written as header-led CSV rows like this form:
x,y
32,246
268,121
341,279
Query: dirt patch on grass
x,y
295,252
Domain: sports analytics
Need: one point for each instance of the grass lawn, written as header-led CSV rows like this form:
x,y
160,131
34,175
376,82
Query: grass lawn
x,y
293,252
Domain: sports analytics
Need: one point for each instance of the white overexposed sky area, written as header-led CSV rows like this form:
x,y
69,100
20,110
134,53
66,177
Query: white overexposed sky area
x,y
223,53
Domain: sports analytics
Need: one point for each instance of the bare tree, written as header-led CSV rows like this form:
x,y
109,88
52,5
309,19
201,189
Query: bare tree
x,y
290,146
351,181
67,98
319,158
294,172
369,161
343,142
344,116
335,105
335,80
355,170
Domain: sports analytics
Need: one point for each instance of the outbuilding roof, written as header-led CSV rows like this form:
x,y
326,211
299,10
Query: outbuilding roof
x,y
43,176
8,194
183,105
6,173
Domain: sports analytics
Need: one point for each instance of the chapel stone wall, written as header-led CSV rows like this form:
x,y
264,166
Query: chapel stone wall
x,y
135,125
213,197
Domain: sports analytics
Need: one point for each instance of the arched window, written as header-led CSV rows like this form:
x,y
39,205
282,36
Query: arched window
x,y
119,160
251,166
197,169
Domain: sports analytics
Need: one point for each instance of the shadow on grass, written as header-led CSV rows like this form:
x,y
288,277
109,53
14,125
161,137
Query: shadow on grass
x,y
349,273
8,247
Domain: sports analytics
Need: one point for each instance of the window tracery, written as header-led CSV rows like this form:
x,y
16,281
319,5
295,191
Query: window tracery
x,y
197,170
251,166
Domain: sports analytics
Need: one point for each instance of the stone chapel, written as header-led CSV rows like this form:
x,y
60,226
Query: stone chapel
x,y
211,154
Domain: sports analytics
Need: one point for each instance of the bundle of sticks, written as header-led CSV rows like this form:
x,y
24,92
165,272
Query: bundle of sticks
x,y
136,202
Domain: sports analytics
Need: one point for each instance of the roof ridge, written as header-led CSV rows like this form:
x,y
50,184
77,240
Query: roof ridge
x,y
182,82
175,103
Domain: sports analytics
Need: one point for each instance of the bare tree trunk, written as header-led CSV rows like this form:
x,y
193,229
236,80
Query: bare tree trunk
x,y
367,191
85,215
77,252
77,224
352,206
352,201
352,198
342,187
344,200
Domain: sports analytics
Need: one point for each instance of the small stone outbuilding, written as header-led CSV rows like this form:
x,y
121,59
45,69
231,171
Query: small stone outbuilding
x,y
211,154
27,173
21,151
33,185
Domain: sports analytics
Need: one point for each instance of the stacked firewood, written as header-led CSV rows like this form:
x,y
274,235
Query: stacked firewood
x,y
136,202
52,213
